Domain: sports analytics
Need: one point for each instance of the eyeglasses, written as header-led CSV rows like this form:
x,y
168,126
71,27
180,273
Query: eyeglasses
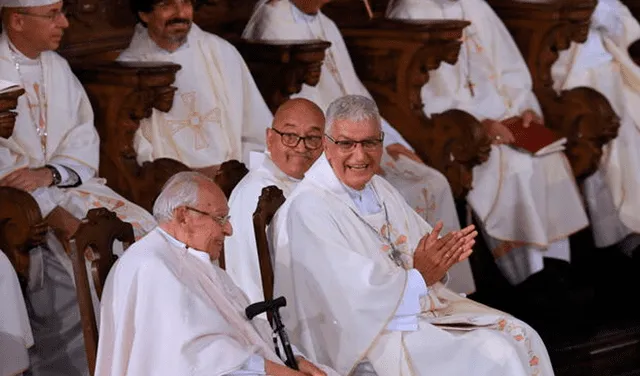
x,y
369,144
52,16
222,220
292,140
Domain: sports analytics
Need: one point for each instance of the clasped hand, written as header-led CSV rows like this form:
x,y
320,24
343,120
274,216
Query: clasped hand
x,y
498,131
434,256
28,179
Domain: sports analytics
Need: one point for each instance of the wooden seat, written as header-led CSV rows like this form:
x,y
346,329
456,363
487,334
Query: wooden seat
x,y
93,243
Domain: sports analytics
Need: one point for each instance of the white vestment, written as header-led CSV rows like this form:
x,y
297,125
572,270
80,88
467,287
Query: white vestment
x,y
528,206
15,331
425,188
55,126
603,63
333,265
218,113
241,259
168,310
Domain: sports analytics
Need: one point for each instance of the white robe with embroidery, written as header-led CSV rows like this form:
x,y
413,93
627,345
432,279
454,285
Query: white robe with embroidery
x,y
528,206
167,310
71,141
603,63
218,113
426,189
15,331
241,253
332,264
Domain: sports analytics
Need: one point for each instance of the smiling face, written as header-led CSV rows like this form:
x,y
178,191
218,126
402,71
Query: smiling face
x,y
356,166
296,118
169,22
36,29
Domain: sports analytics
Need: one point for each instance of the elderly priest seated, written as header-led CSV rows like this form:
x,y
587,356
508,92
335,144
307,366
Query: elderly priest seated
x,y
362,272
168,310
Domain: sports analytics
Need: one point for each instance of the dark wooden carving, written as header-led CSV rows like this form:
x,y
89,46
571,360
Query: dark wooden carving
x,y
541,29
122,94
634,8
269,202
93,243
21,229
393,59
8,102
280,68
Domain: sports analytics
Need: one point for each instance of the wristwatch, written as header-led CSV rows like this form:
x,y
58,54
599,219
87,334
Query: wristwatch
x,y
57,179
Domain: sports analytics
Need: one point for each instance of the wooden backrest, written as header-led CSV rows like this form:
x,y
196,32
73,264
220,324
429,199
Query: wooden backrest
x,y
93,243
269,202
21,229
227,177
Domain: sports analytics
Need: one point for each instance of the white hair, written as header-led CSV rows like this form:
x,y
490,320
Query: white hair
x,y
180,190
355,108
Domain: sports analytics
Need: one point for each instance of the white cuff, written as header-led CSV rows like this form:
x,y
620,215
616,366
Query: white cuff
x,y
43,197
253,366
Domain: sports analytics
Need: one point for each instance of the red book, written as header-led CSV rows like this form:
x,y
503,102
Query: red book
x,y
535,139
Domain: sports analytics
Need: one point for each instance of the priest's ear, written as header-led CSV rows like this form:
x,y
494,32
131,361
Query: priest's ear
x,y
12,19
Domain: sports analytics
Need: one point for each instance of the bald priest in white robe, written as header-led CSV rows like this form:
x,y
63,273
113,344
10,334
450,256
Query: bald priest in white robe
x,y
426,189
54,155
15,332
603,63
189,317
527,206
362,272
218,113
294,142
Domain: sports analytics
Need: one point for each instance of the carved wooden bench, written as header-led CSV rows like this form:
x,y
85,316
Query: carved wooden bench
x,y
584,116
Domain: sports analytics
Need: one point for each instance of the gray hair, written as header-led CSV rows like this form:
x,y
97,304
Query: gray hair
x,y
354,108
180,190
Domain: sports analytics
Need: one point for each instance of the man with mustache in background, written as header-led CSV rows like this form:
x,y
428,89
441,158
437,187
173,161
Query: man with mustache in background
x,y
218,113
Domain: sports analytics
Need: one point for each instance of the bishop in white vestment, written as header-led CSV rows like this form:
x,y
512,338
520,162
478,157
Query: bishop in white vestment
x,y
527,206
426,189
218,113
603,63
168,310
54,155
294,142
348,257
15,331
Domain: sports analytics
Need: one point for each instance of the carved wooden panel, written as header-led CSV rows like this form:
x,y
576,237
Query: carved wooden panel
x,y
122,94
8,103
541,29
21,228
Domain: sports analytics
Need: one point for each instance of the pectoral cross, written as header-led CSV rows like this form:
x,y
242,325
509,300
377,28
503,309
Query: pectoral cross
x,y
470,85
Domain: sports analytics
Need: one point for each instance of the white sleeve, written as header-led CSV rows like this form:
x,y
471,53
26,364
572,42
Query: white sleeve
x,y
253,366
406,317
606,17
45,200
392,136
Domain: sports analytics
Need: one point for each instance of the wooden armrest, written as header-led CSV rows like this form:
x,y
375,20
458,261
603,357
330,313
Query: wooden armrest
x,y
281,67
123,93
21,228
582,115
8,102
393,59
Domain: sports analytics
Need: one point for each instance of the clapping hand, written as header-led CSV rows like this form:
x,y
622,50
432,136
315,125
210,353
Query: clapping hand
x,y
434,256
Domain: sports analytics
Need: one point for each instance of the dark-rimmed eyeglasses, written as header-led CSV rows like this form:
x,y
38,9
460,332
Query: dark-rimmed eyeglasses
x,y
222,220
292,140
53,16
369,144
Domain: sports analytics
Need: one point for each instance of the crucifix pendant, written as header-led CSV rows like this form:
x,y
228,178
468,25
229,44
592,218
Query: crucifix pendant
x,y
470,85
